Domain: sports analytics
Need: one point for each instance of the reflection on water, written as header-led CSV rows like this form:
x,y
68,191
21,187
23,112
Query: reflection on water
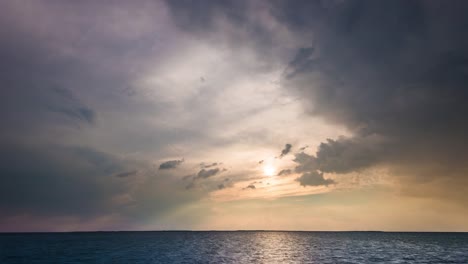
x,y
235,247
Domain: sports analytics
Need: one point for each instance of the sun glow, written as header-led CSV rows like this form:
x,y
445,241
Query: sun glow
x,y
269,170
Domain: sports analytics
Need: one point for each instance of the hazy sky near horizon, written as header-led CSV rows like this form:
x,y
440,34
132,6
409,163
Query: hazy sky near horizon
x,y
291,115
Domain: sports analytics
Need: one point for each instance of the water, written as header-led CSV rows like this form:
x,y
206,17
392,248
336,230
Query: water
x,y
234,247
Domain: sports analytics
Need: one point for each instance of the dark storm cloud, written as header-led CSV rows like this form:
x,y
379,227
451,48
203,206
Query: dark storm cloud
x,y
200,15
395,74
46,71
170,164
302,59
242,19
80,184
56,180
63,63
345,155
314,178
286,150
30,106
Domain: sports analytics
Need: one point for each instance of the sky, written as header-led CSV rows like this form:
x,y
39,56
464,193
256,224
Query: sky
x,y
229,115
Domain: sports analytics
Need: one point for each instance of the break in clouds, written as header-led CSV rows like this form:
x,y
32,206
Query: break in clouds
x,y
99,103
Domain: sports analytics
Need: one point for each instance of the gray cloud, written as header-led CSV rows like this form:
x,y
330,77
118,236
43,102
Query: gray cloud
x,y
49,180
314,178
80,114
394,74
306,162
170,164
201,178
200,15
345,155
66,63
187,177
81,184
191,185
71,73
203,174
126,174
250,186
286,150
203,165
303,148
71,106
285,172
211,18
312,170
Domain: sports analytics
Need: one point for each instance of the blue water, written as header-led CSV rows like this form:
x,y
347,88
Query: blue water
x,y
234,247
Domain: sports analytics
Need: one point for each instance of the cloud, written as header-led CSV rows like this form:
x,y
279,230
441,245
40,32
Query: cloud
x,y
306,162
284,172
80,114
286,150
187,177
29,171
311,169
191,185
80,185
126,174
198,16
250,186
202,178
383,72
314,178
203,174
71,106
345,155
87,68
170,164
203,165
392,75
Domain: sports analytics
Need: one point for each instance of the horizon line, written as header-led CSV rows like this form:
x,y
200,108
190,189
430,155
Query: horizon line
x,y
220,230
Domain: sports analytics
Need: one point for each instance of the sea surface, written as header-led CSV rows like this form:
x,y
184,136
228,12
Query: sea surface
x,y
234,247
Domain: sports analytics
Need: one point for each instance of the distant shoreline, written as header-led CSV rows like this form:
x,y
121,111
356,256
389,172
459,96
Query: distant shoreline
x,y
220,231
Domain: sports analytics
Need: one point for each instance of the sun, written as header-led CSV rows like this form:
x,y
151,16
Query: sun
x,y
269,170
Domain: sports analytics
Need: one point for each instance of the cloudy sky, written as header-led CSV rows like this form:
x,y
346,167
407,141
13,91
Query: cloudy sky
x,y
291,115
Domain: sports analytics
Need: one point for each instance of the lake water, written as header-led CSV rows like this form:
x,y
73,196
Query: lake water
x,y
234,247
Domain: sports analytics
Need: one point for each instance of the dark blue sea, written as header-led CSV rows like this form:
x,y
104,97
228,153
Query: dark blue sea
x,y
234,247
